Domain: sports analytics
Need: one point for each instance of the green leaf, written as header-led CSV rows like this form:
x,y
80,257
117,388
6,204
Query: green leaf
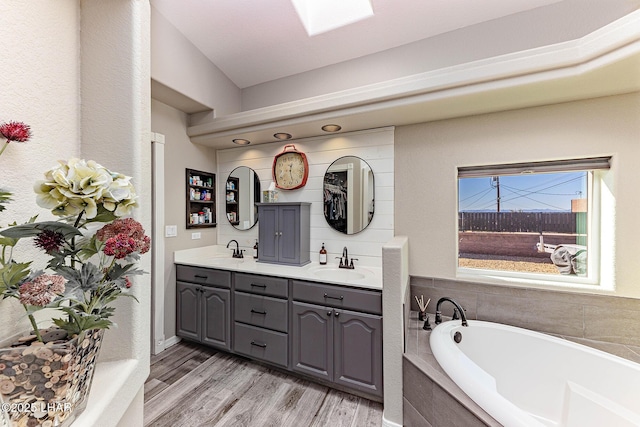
x,y
11,274
86,278
33,229
79,321
5,196
90,248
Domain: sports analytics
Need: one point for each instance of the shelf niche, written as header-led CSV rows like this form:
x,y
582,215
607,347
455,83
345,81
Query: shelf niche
x,y
200,196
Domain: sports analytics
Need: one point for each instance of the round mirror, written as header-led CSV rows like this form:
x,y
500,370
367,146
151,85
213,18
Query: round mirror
x,y
349,195
242,192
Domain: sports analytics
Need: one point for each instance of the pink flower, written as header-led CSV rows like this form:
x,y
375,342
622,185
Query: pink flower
x,y
127,282
15,131
124,227
42,290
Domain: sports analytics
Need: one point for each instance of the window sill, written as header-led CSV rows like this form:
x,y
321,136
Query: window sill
x,y
115,385
558,283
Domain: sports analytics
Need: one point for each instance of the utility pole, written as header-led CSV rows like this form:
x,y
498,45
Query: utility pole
x,y
495,183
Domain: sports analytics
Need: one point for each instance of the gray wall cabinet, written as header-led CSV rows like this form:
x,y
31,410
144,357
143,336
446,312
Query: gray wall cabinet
x,y
284,233
329,332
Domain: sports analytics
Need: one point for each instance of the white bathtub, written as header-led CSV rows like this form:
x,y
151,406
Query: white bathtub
x,y
525,378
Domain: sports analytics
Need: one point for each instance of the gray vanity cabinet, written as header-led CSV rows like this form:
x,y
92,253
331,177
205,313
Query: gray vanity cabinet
x,y
358,351
261,318
284,230
203,311
332,341
312,340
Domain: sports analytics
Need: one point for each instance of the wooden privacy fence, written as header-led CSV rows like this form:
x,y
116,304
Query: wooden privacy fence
x,y
520,222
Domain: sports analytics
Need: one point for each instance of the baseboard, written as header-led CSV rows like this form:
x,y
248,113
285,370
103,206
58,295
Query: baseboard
x,y
171,341
387,423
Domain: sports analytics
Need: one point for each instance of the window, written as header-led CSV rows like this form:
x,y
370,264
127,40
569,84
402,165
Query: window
x,y
531,219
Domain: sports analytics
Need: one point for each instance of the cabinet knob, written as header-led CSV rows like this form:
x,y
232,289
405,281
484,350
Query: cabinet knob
x,y
329,312
337,313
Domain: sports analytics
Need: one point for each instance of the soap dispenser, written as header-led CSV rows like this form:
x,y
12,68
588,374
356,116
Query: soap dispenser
x,y
255,250
323,255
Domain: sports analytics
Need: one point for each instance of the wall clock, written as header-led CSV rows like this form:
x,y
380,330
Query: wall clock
x,y
290,168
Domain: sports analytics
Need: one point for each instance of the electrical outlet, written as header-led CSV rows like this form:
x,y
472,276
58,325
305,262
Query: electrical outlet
x,y
195,236
171,231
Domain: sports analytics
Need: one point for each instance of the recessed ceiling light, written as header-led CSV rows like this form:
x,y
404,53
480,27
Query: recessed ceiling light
x,y
282,135
241,141
331,128
319,16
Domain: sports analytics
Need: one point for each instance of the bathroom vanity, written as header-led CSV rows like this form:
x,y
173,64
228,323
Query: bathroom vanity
x,y
321,322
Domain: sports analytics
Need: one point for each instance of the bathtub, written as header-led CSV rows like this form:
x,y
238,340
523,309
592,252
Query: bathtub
x,y
525,378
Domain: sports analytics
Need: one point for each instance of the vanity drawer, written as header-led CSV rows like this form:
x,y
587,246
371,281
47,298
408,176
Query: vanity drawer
x,y
204,276
263,311
262,285
357,299
262,344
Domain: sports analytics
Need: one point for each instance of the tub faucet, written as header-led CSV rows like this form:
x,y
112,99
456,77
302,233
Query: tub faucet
x,y
237,253
458,308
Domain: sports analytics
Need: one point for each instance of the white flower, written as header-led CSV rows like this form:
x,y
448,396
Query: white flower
x,y
79,185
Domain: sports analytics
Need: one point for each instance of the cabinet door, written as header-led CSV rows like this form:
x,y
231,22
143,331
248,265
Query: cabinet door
x,y
289,234
216,318
188,311
312,340
268,237
358,351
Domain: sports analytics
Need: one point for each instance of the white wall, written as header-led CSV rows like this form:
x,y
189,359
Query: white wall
x,y
427,156
40,86
179,154
179,65
374,146
79,75
558,22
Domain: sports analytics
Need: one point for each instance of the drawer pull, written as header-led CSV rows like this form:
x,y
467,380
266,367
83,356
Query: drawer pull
x,y
198,276
257,344
327,296
258,285
258,311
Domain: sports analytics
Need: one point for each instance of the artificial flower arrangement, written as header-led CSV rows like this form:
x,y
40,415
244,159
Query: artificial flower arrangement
x,y
88,271
92,254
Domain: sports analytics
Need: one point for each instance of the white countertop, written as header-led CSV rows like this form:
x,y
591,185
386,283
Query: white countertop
x,y
219,257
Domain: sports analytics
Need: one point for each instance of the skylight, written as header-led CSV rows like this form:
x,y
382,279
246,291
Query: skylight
x,y
320,16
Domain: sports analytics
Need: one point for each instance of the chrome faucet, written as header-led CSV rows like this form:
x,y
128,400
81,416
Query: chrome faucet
x,y
237,253
344,260
458,308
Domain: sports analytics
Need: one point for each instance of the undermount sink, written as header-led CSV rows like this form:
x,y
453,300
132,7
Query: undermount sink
x,y
338,274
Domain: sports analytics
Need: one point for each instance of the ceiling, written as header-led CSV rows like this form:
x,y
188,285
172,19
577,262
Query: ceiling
x,y
255,41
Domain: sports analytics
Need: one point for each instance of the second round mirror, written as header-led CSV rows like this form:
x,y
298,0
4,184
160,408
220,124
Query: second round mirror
x,y
349,195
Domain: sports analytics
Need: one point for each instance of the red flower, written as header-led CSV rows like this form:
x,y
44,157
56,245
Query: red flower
x,y
50,241
15,131
120,246
127,227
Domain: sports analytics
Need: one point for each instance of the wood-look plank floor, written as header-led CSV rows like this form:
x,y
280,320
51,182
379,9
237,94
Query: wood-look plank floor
x,y
190,385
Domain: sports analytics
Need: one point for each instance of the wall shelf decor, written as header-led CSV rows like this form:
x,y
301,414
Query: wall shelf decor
x,y
201,200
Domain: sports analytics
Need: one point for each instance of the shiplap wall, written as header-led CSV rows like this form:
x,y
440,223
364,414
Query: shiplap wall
x,y
374,146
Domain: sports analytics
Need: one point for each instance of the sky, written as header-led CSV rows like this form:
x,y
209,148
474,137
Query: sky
x,y
529,192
